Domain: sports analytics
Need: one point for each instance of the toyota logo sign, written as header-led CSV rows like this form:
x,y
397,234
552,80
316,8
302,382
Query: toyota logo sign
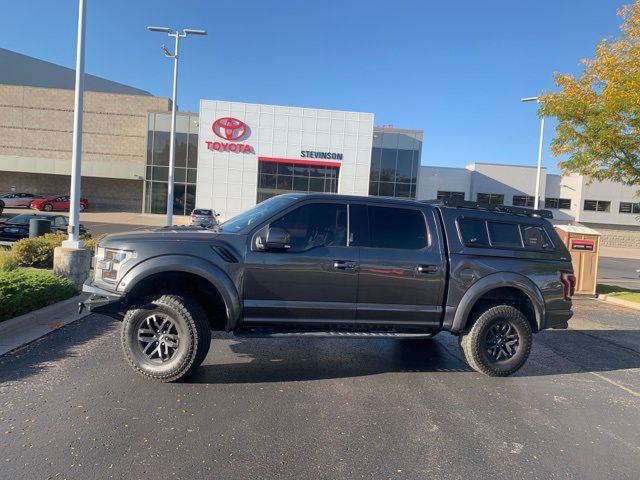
x,y
229,128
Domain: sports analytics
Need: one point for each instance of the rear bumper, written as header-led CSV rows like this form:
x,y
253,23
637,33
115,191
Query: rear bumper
x,y
558,319
102,301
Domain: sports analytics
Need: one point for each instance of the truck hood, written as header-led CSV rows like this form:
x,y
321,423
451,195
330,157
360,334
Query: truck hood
x,y
165,234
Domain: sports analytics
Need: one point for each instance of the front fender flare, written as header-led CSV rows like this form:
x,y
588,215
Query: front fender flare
x,y
188,264
491,282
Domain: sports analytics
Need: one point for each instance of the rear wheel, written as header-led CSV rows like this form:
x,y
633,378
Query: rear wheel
x,y
165,337
48,207
82,207
499,341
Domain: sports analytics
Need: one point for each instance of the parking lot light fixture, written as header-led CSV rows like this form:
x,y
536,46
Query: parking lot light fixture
x,y
536,202
174,99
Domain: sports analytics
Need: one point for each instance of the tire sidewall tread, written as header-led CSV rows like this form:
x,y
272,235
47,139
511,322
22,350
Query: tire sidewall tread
x,y
191,313
472,342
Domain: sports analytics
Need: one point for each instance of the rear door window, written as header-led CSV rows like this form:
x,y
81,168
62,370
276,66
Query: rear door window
x,y
400,228
505,235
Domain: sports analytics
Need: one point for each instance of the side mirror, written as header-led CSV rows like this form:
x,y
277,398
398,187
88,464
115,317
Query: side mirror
x,y
277,239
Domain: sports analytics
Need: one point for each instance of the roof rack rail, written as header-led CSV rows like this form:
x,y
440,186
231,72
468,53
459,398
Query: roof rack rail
x,y
454,203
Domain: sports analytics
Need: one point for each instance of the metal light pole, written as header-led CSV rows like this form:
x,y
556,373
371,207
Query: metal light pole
x,y
172,145
536,203
76,157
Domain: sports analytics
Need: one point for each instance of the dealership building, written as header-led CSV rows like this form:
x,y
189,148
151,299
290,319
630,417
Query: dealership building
x,y
232,155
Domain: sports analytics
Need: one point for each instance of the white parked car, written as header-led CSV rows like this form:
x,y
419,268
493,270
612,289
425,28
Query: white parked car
x,y
203,217
17,199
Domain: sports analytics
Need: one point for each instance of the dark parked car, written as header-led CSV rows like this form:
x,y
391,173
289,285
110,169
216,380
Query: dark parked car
x,y
338,266
57,202
16,228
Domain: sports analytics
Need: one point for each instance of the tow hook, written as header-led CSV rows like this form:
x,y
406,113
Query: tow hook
x,y
81,307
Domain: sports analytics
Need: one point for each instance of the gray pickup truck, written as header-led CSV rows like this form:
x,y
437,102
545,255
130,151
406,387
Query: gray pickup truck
x,y
337,266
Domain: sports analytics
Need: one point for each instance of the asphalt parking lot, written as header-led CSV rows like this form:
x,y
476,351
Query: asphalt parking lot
x,y
319,408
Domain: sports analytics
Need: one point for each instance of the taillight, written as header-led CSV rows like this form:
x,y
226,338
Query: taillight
x,y
568,281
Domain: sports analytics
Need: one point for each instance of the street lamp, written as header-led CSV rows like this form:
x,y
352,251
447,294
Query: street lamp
x,y
74,242
536,203
172,150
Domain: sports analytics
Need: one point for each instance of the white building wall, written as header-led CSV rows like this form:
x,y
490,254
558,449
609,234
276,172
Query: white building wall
x,y
509,180
228,181
431,180
614,193
512,180
569,187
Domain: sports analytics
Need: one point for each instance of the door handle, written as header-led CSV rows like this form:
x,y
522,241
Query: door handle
x,y
428,269
347,265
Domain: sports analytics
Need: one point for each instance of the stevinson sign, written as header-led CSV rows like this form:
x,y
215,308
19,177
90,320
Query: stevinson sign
x,y
233,131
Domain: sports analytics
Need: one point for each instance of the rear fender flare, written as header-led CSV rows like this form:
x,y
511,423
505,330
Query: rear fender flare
x,y
491,282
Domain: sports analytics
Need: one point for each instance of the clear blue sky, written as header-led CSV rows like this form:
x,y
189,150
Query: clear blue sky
x,y
457,70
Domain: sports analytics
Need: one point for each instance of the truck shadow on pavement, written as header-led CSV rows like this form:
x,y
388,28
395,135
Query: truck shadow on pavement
x,y
555,352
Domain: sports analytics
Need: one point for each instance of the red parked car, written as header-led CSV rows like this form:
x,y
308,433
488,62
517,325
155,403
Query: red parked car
x,y
57,202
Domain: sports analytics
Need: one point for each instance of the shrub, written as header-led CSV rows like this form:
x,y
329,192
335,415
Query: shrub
x,y
23,290
91,242
8,261
37,252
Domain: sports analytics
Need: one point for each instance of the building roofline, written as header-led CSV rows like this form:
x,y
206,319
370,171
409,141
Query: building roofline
x,y
503,165
282,106
22,70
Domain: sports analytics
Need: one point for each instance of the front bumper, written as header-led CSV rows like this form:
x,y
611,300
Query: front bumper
x,y
558,319
101,300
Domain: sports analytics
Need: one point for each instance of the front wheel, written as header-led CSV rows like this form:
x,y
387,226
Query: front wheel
x,y
165,337
499,341
48,207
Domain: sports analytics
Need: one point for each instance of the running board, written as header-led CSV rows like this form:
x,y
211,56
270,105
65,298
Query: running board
x,y
262,333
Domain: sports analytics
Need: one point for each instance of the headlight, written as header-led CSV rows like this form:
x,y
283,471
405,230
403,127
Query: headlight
x,y
109,262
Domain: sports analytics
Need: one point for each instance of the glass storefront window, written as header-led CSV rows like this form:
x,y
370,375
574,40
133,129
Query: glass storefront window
x,y
186,151
181,150
275,178
160,148
192,152
394,170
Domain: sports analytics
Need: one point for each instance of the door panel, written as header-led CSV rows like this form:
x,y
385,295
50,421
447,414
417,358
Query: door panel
x,y
306,286
402,270
312,283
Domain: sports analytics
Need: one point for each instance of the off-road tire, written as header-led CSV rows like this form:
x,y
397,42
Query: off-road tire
x,y
194,336
474,342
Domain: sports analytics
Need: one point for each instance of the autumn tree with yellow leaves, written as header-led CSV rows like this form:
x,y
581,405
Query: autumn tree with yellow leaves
x,y
599,112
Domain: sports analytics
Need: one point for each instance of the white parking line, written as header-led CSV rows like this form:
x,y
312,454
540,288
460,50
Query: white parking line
x,y
628,390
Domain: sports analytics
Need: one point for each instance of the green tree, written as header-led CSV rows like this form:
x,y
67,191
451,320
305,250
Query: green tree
x,y
599,112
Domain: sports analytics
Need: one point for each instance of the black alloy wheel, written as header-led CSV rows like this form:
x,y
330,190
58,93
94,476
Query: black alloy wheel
x,y
499,341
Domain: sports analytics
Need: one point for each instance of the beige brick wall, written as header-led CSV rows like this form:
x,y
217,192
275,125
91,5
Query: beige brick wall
x,y
617,236
104,194
38,123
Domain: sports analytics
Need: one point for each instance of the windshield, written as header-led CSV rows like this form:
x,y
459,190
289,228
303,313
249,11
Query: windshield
x,y
260,211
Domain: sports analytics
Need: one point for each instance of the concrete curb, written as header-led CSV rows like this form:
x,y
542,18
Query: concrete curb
x,y
26,328
619,301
